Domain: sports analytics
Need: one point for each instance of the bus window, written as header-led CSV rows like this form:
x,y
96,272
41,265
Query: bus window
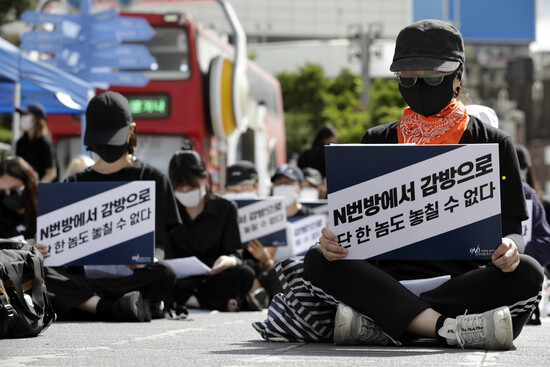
x,y
170,49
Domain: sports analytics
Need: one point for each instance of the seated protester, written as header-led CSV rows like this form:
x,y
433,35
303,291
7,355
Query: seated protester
x,y
313,187
287,182
485,304
111,134
209,231
242,183
18,199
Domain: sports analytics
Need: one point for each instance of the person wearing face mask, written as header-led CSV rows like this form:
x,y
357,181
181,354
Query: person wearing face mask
x,y
313,187
483,305
242,183
137,294
209,231
35,145
287,182
18,199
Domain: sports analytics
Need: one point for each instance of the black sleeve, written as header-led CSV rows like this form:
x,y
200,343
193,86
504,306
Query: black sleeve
x,y
48,154
381,134
167,214
232,239
512,196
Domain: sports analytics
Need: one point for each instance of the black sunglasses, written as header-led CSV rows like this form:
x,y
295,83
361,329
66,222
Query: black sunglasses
x,y
431,80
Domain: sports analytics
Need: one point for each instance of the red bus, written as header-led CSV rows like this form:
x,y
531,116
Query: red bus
x,y
176,105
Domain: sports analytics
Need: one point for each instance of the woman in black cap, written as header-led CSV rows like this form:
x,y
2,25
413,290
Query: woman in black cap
x,y
35,146
209,231
483,305
135,294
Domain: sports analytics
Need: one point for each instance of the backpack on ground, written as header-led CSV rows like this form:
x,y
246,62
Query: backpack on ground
x,y
25,308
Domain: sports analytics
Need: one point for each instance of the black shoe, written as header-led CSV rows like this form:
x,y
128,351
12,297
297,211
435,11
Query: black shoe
x,y
157,310
131,307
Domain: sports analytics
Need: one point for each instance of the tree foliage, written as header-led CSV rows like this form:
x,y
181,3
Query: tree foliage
x,y
11,10
312,100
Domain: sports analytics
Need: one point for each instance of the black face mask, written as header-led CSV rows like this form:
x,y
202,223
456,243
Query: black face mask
x,y
14,201
427,100
110,153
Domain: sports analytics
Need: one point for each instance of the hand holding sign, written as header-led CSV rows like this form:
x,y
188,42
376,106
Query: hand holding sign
x,y
506,256
329,246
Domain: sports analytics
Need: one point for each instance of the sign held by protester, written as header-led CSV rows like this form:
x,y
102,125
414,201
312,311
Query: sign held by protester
x,y
302,232
263,219
412,202
97,223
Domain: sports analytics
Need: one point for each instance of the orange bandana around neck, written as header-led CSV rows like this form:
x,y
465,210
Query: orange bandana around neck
x,y
445,127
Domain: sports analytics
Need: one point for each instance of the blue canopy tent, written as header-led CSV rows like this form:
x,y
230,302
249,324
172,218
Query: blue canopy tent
x,y
24,81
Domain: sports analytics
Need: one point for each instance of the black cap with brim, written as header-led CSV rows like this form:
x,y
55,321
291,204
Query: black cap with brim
x,y
108,120
428,45
242,173
424,63
35,109
106,137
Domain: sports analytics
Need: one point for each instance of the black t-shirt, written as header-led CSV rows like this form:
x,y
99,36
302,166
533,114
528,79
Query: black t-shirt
x,y
213,233
39,153
167,216
314,158
513,207
12,224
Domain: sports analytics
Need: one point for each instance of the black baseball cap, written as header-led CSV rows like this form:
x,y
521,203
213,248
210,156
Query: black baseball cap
x,y
241,173
313,176
35,108
290,171
429,44
108,120
524,157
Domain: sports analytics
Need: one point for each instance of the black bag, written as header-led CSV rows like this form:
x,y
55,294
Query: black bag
x,y
25,308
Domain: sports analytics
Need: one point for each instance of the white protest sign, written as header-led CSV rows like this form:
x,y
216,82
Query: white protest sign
x,y
448,191
301,233
260,217
115,225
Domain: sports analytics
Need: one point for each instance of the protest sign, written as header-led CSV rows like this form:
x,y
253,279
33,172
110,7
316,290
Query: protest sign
x,y
97,223
302,232
415,202
262,219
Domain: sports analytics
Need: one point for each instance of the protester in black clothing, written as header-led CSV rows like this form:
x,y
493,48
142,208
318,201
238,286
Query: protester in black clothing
x,y
18,199
110,133
209,231
482,305
315,156
35,145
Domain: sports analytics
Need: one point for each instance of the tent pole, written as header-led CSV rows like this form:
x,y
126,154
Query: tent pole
x,y
15,115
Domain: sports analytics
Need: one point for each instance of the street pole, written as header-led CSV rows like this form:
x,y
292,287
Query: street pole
x,y
365,39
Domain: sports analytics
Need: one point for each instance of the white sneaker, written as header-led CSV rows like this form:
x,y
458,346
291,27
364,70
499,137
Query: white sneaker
x,y
352,328
489,330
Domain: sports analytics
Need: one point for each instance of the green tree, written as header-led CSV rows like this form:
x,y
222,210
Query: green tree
x,y
11,10
312,100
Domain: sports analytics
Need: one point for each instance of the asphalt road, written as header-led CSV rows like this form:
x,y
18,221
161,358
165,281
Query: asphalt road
x,y
228,339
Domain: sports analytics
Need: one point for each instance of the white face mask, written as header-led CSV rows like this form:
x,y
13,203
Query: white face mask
x,y
309,194
191,198
289,192
240,195
25,122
